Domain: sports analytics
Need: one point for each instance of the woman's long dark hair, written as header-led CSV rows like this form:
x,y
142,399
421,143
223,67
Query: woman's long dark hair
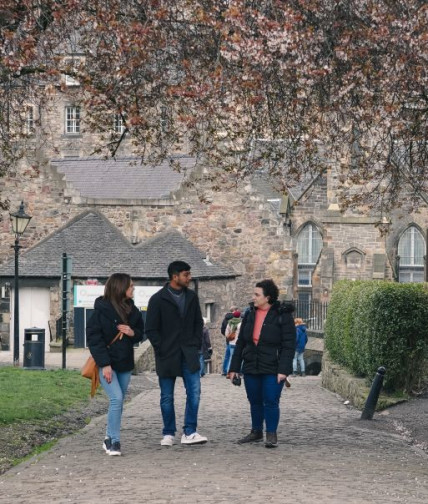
x,y
115,292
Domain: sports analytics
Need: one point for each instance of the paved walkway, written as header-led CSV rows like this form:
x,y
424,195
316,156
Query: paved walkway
x,y
75,358
326,456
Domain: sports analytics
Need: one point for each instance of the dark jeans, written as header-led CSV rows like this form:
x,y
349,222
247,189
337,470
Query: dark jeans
x,y
202,363
263,392
192,383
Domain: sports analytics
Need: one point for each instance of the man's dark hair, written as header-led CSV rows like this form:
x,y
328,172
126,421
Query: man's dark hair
x,y
270,290
176,267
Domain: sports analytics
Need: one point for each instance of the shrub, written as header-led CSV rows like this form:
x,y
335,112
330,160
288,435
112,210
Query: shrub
x,y
374,323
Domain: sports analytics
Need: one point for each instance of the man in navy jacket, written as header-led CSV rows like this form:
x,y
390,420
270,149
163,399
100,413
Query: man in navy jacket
x,y
174,327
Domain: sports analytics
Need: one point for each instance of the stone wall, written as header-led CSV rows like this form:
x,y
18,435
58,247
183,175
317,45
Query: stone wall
x,y
237,229
351,388
4,323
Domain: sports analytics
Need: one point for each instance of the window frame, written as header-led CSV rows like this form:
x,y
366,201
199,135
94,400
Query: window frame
x,y
409,270
118,124
29,120
72,123
308,266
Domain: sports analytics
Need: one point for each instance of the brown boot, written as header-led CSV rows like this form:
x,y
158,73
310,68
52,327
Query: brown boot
x,y
271,440
252,437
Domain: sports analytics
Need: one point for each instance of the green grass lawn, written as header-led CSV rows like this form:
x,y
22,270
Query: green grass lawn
x,y
36,395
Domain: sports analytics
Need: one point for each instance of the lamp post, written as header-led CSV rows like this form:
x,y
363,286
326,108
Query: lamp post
x,y
20,222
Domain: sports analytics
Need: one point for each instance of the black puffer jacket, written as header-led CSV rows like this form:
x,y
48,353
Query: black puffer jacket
x,y
102,328
275,350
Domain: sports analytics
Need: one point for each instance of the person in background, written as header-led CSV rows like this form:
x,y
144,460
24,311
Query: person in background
x,y
226,359
232,332
265,350
115,313
174,327
206,349
301,341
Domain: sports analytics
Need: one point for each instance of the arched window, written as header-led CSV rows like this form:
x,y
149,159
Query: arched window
x,y
411,251
309,245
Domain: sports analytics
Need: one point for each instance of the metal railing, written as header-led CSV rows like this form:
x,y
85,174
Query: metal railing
x,y
313,313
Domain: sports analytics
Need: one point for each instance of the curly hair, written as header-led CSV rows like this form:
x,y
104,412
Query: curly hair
x,y
270,290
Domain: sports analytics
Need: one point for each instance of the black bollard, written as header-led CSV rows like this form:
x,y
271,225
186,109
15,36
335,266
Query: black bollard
x,y
370,406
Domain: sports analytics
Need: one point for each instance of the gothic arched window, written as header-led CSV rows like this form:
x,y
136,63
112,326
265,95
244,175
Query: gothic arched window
x,y
411,251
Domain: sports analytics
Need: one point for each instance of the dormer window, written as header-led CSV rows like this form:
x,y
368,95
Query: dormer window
x,y
72,65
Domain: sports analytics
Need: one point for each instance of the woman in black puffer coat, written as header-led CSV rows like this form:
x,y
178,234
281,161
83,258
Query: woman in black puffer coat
x,y
265,351
115,313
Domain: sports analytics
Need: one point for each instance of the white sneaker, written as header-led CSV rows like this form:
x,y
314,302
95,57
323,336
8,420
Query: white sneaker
x,y
194,438
167,440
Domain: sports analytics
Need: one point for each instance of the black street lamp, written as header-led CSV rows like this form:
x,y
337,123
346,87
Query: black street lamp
x,y
20,222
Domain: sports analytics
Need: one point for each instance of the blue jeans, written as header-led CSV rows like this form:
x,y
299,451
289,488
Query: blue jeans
x,y
231,350
192,384
263,392
226,359
298,357
116,391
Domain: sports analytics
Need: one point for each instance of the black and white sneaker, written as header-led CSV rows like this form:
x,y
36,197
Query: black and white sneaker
x,y
115,449
107,444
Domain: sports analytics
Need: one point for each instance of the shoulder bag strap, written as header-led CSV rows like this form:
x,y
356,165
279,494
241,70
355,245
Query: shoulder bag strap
x,y
119,335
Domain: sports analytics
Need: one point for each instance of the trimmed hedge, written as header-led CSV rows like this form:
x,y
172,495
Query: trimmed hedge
x,y
377,323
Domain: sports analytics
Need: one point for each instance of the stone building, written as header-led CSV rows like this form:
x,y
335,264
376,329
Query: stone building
x,y
302,240
97,249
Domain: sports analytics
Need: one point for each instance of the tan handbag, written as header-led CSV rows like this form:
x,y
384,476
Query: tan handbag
x,y
90,368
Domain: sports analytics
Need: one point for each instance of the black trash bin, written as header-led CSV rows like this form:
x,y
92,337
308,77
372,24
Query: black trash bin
x,y
34,348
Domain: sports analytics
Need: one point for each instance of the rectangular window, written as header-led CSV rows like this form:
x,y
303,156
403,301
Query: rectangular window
x,y
72,120
29,120
209,311
304,276
118,125
408,275
164,120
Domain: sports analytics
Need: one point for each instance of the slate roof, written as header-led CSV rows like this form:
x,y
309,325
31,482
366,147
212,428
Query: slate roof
x,y
267,186
98,249
170,246
124,178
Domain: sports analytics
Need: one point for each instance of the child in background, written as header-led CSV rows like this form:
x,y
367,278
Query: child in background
x,y
301,340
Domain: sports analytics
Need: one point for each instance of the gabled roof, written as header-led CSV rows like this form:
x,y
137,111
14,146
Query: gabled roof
x,y
158,252
125,179
98,249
